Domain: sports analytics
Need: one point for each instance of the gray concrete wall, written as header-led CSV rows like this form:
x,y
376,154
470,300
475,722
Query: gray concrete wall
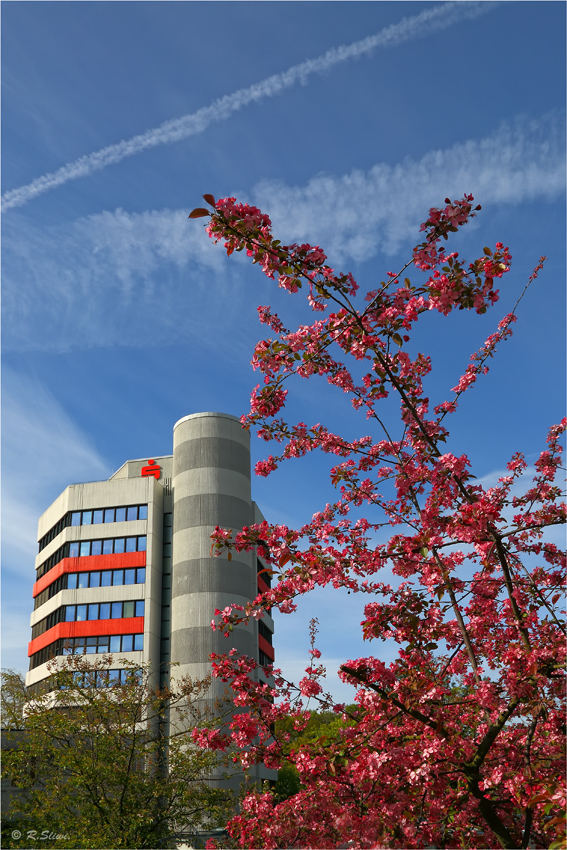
x,y
211,486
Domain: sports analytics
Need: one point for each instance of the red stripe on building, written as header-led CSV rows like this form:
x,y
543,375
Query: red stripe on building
x,y
87,563
87,628
266,647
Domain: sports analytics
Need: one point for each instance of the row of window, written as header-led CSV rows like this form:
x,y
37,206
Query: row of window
x,y
92,611
265,632
263,659
105,678
94,517
82,645
95,578
82,548
92,678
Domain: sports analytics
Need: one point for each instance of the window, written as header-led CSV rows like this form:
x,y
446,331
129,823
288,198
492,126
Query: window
x,y
106,578
129,576
87,518
115,643
109,515
95,579
138,642
103,643
116,610
93,612
117,577
142,512
119,545
70,613
104,611
83,580
129,608
131,544
141,544
72,581
85,549
97,517
140,575
127,643
73,550
107,547
76,518
81,612
132,513
140,608
96,547
120,515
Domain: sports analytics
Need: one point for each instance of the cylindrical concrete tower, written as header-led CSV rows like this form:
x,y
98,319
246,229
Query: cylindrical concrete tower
x,y
211,486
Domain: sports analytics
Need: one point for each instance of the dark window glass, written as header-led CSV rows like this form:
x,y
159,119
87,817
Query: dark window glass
x,y
141,544
96,547
73,550
167,534
132,513
116,610
140,575
109,515
106,578
104,611
85,548
81,612
143,512
79,643
102,645
107,547
138,642
83,580
67,650
128,609
95,579
131,544
93,612
76,518
117,577
70,613
140,608
119,545
167,550
87,517
72,581
97,517
115,646
129,576
120,514
91,644
127,643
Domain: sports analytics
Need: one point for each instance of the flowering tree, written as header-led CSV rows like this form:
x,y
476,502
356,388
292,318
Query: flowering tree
x,y
459,742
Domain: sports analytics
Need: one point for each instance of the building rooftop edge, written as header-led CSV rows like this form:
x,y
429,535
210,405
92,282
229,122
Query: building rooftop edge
x,y
209,413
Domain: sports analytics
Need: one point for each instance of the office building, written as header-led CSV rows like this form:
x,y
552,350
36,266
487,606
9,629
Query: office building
x,y
124,565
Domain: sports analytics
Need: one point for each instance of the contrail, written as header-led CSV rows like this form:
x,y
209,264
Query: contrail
x,y
431,20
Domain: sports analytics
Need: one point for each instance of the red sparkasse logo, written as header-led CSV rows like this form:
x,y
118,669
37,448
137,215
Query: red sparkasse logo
x,y
151,469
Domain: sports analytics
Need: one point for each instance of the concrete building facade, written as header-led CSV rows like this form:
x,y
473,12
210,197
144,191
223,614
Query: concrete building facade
x,y
124,565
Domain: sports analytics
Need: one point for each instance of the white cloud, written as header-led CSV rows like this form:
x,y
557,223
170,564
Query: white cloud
x,y
107,279
355,215
430,20
120,278
43,452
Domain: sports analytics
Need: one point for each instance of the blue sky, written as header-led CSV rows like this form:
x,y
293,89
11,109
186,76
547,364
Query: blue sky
x,y
345,122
